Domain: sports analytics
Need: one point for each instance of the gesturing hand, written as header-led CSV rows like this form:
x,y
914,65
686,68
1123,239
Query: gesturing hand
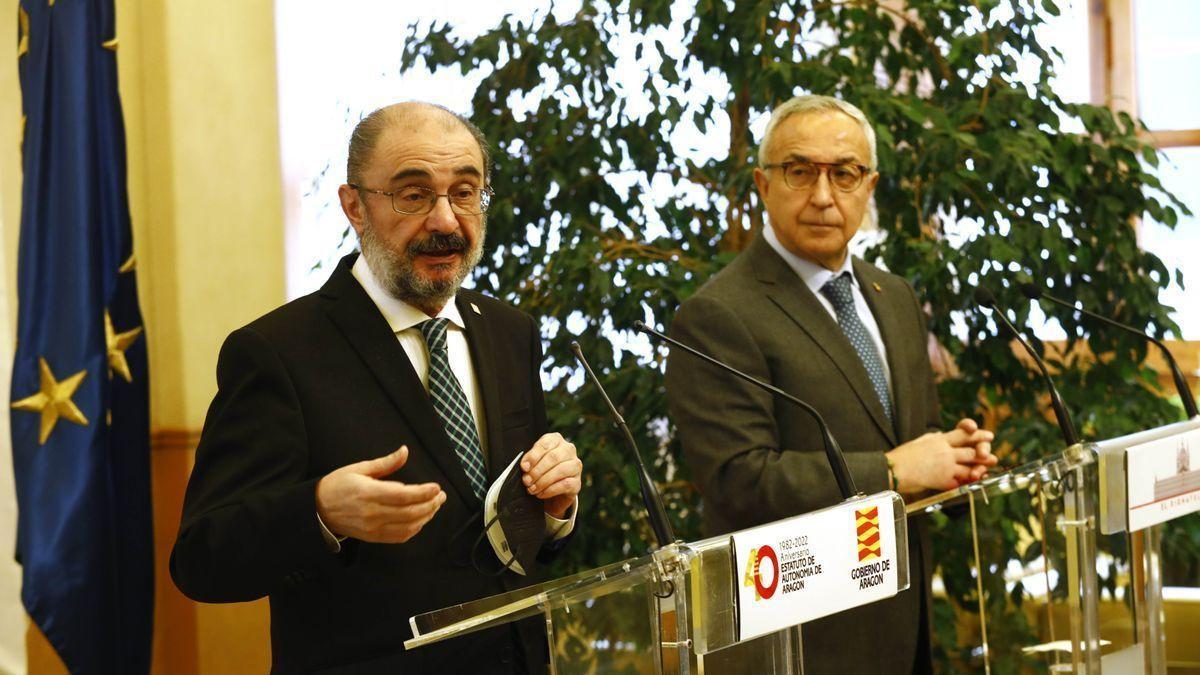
x,y
553,473
353,502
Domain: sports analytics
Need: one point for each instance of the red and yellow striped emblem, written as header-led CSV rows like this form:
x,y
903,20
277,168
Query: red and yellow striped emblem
x,y
867,521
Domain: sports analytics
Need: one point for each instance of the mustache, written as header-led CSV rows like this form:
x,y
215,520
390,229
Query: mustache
x,y
439,244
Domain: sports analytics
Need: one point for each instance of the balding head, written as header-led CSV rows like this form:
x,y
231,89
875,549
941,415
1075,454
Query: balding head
x,y
408,116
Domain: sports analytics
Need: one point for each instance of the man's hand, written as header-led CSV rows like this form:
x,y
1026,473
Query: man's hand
x,y
943,460
553,473
982,442
353,502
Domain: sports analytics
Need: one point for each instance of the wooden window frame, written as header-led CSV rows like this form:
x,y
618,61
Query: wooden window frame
x,y
1113,70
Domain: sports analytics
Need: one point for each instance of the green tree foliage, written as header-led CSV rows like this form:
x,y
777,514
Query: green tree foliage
x,y
606,214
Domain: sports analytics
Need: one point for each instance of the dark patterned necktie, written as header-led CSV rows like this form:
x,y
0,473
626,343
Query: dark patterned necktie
x,y
451,405
840,293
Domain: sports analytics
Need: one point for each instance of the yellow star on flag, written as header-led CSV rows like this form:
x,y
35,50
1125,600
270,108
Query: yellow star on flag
x,y
23,31
117,344
54,401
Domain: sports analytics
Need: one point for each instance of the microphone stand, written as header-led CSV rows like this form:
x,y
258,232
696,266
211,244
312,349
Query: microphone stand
x,y
1032,292
837,462
985,298
650,495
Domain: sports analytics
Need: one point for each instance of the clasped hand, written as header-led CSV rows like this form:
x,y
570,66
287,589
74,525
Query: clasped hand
x,y
943,460
356,501
553,473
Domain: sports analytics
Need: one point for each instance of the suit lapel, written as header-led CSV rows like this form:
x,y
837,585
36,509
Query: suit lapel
x,y
483,358
787,290
369,334
884,307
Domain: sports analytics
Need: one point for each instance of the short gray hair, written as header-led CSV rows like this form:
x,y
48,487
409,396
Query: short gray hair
x,y
810,103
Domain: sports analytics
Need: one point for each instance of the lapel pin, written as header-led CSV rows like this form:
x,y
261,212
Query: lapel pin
x,y
875,285
476,308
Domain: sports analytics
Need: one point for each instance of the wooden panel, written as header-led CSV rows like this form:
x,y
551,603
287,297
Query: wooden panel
x,y
175,439
1098,51
1182,626
1176,138
40,656
175,637
1186,353
1122,55
195,638
234,638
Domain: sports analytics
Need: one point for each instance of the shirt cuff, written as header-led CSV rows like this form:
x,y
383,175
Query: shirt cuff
x,y
558,528
334,542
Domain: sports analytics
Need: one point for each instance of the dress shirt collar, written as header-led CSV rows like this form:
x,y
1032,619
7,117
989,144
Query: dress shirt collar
x,y
813,275
399,314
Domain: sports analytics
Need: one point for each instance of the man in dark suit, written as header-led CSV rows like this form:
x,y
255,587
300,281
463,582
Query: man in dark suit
x,y
797,310
299,492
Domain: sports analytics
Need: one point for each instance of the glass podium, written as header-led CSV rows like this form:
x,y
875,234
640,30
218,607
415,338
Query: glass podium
x,y
674,610
1117,479
1084,595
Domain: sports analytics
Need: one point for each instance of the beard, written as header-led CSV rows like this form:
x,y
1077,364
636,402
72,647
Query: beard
x,y
396,273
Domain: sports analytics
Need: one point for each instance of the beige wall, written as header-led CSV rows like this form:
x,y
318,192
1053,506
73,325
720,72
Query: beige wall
x,y
12,615
200,100
10,161
198,85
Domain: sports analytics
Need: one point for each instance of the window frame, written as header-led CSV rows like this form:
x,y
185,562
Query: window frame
x,y
1112,42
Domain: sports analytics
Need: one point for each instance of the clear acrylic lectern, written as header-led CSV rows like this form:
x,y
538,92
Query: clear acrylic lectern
x,y
672,611
1086,589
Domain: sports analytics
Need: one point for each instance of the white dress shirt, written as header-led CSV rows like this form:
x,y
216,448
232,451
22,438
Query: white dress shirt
x,y
404,320
816,276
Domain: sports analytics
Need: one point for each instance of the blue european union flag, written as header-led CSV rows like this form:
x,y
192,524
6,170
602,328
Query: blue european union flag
x,y
80,417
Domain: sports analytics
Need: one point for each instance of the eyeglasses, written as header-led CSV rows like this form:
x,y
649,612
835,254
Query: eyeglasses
x,y
414,200
801,175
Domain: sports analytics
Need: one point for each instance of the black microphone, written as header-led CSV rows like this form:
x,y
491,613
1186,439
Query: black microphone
x,y
650,496
985,298
1033,292
837,462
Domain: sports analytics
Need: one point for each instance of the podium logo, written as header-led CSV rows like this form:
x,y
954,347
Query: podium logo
x,y
764,584
867,521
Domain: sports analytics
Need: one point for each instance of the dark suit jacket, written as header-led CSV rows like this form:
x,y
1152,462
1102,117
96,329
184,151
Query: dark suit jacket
x,y
756,459
312,386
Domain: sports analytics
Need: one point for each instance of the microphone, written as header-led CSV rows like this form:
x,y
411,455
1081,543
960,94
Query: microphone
x,y
985,298
650,496
1034,292
837,462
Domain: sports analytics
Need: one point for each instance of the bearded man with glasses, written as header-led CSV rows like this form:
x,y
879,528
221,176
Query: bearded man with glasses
x,y
796,309
355,431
